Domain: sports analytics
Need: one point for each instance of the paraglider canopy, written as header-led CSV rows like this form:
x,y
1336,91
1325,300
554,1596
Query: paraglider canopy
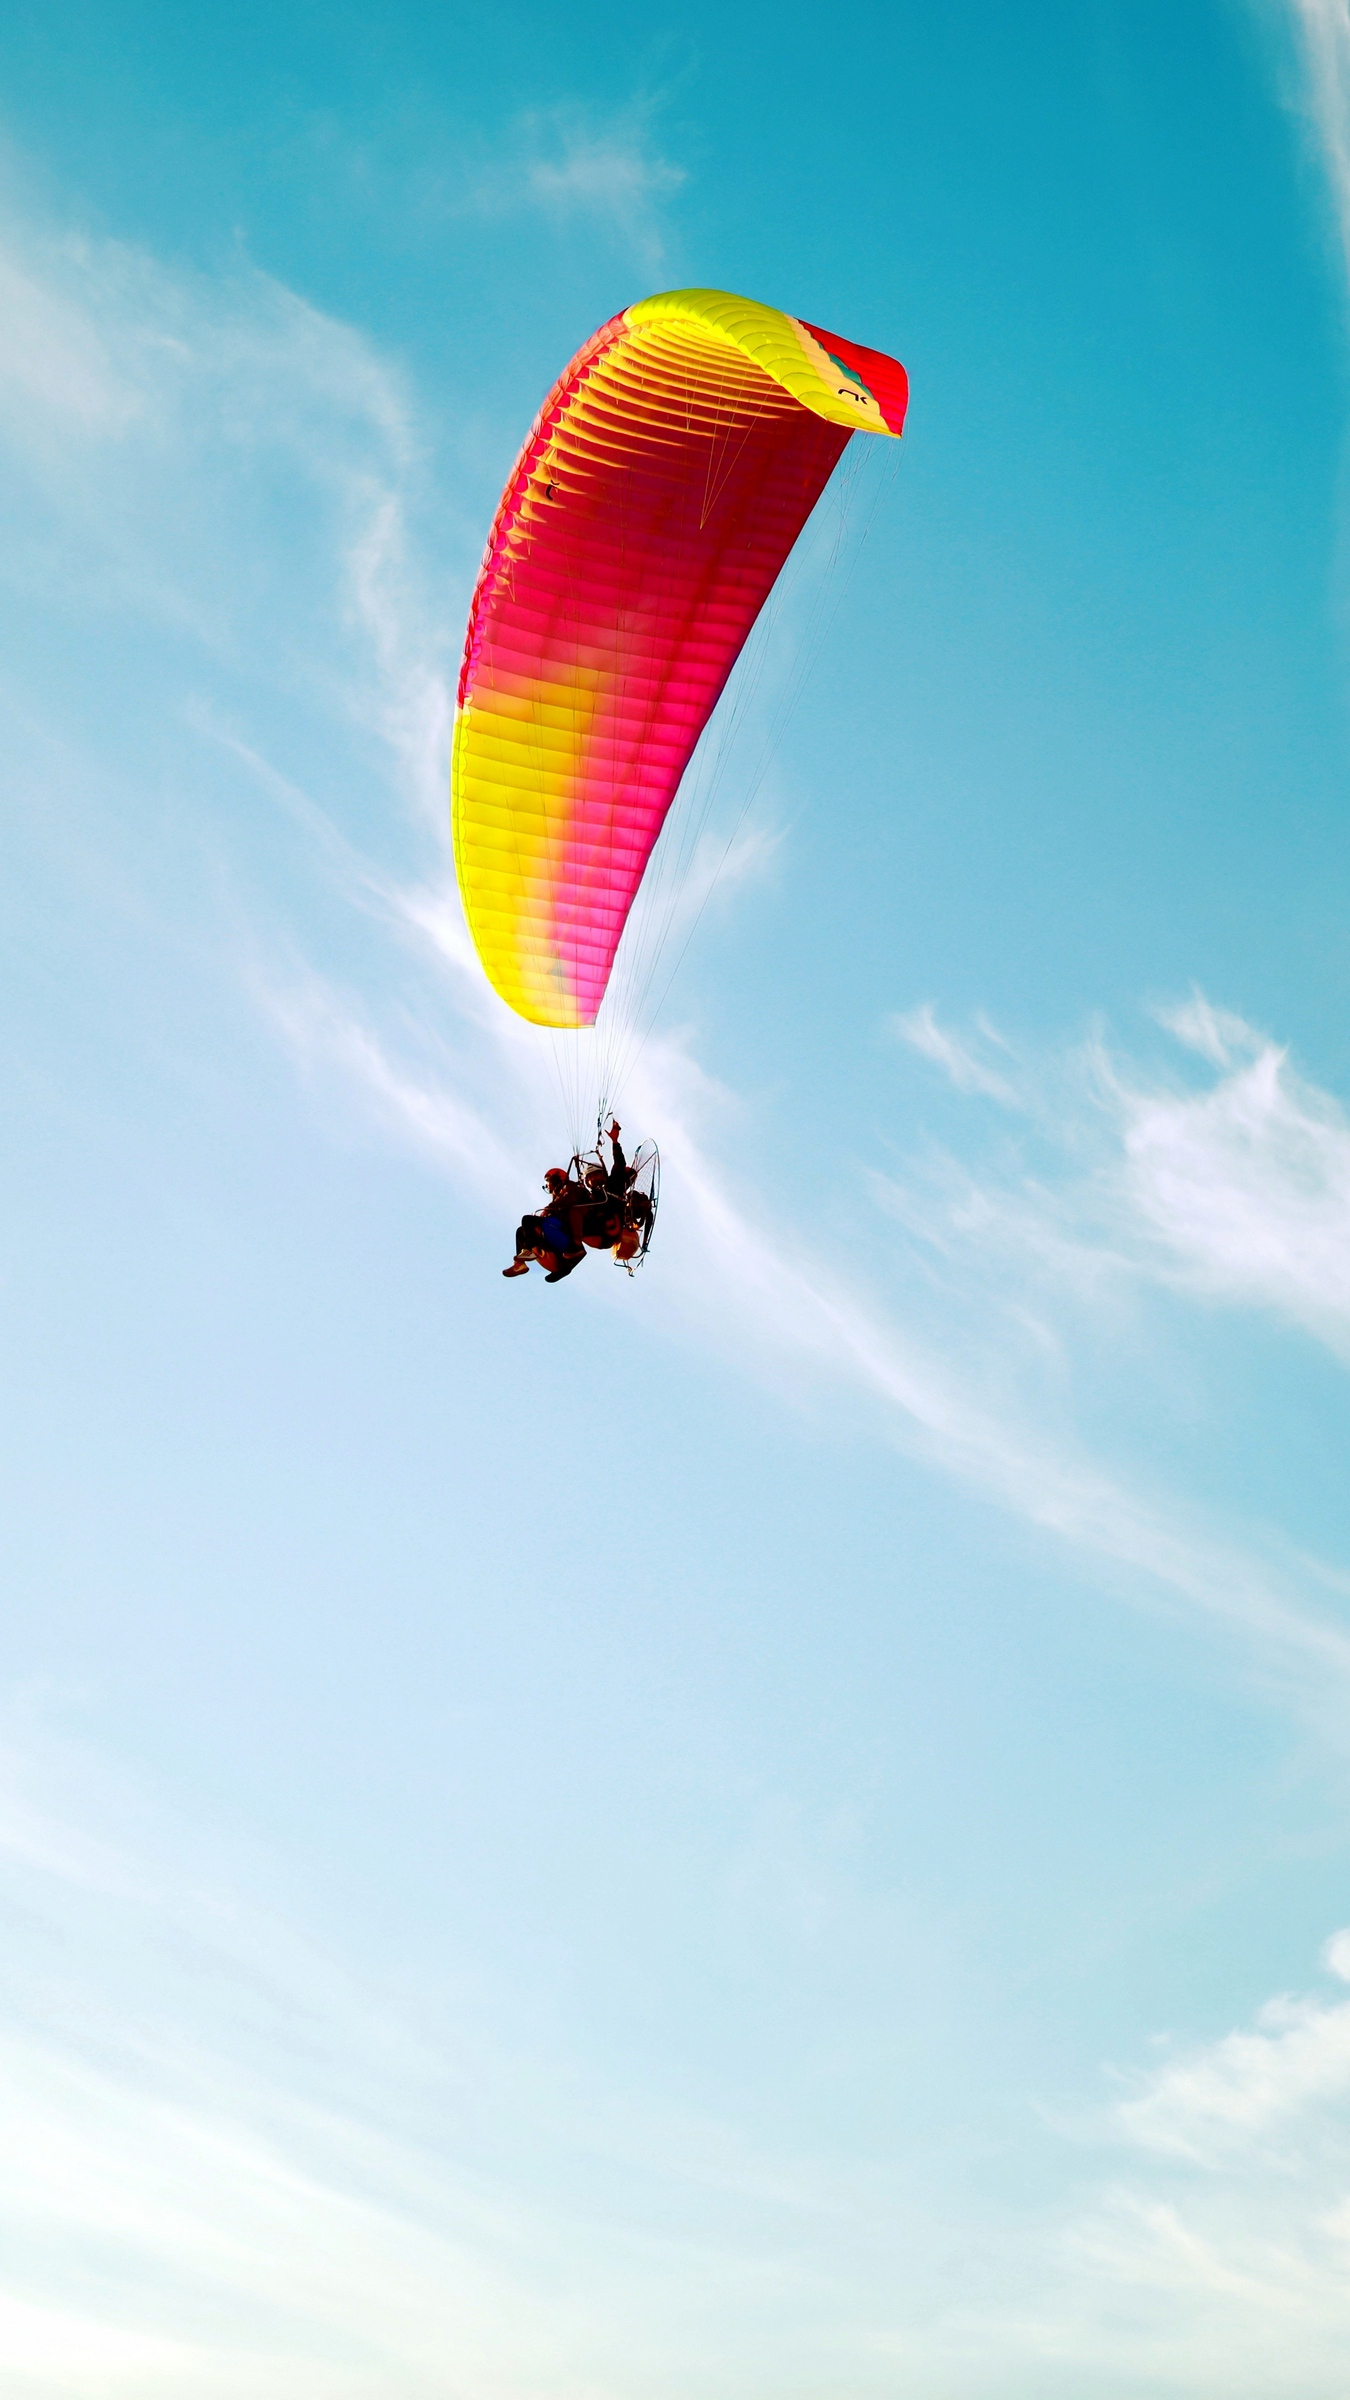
x,y
656,499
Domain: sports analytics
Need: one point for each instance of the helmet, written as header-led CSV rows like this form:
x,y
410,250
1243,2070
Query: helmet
x,y
555,1178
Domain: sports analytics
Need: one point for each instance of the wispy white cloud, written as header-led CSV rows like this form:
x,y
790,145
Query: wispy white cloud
x,y
1238,1190
54,366
1323,28
238,2207
1213,2255
109,342
1253,2083
1247,1187
182,413
412,696
966,1062
319,1030
1215,1033
611,173
568,165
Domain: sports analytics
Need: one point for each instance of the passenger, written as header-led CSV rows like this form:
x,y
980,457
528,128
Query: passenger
x,y
547,1237
598,1222
607,1219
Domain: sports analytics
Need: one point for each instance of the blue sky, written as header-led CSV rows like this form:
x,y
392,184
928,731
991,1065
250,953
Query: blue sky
x,y
783,1828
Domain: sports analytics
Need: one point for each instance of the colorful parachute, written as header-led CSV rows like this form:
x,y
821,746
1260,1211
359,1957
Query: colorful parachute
x,y
662,486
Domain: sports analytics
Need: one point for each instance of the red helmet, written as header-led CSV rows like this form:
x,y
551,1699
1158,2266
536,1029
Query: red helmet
x,y
554,1177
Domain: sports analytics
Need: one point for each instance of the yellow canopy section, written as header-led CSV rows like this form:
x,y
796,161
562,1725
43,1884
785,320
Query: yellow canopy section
x,y
835,379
